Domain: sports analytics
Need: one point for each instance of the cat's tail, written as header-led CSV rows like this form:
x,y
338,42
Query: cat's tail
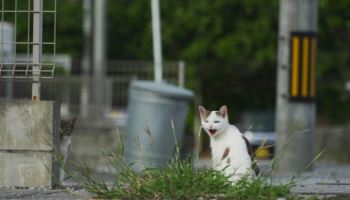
x,y
248,135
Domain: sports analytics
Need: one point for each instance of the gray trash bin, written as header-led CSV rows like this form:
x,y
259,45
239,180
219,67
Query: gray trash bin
x,y
150,138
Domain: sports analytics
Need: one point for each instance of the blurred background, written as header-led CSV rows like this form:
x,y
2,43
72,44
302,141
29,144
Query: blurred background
x,y
224,50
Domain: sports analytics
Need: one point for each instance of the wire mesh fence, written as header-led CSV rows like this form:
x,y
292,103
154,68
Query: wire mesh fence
x,y
75,93
27,30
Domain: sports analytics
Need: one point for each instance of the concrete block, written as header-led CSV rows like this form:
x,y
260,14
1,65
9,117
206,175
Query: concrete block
x,y
27,169
28,140
28,125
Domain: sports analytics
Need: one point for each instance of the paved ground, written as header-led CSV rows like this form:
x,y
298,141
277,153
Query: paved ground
x,y
38,194
326,180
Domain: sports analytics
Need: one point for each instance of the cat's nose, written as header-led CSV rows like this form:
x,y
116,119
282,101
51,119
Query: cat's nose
x,y
210,126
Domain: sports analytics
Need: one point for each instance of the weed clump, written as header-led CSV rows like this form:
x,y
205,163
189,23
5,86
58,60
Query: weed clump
x,y
177,180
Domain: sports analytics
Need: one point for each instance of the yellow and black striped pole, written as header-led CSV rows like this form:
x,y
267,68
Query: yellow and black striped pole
x,y
302,83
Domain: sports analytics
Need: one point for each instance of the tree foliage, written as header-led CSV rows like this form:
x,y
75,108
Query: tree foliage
x,y
333,60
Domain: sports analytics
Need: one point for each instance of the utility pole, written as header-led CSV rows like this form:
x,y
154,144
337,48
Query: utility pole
x,y
296,109
157,44
86,62
99,53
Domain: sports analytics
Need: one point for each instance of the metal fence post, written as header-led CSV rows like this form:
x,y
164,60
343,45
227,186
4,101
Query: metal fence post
x,y
37,47
86,86
99,54
181,74
157,44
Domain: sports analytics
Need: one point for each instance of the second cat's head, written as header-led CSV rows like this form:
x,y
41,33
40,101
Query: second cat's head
x,y
214,122
67,127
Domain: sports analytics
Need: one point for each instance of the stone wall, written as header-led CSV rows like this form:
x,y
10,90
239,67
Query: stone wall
x,y
28,140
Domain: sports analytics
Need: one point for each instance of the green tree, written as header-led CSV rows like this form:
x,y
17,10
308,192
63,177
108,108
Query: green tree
x,y
333,60
231,46
69,27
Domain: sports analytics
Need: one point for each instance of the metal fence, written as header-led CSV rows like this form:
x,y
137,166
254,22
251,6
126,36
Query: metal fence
x,y
69,90
23,31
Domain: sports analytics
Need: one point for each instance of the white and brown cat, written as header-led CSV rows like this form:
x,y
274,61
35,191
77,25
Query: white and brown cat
x,y
230,149
66,130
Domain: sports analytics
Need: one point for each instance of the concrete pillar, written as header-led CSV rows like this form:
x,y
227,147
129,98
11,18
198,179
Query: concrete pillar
x,y
295,119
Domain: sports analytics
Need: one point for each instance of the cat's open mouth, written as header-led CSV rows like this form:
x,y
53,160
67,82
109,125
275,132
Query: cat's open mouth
x,y
212,131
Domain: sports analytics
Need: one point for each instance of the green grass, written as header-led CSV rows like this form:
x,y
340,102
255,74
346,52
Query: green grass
x,y
177,180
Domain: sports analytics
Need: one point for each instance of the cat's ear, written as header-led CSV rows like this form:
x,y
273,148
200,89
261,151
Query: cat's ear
x,y
202,112
223,111
73,120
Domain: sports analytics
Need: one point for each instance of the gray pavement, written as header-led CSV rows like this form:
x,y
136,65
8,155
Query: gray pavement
x,y
38,194
326,180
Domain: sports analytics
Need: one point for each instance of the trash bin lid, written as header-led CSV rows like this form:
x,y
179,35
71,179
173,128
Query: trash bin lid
x,y
162,89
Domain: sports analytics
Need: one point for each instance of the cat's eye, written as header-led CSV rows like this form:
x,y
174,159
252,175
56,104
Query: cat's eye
x,y
206,121
216,122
